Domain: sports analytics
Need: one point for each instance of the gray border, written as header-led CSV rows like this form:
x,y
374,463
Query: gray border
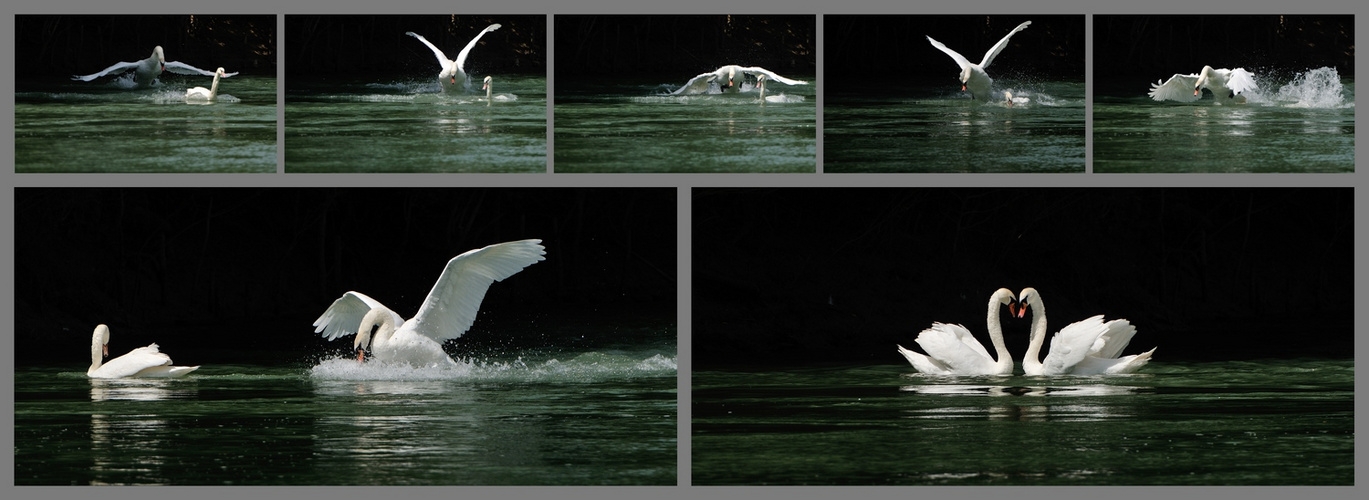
x,y
683,183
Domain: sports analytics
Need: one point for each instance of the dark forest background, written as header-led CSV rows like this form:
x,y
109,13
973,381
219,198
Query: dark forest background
x,y
237,274
600,49
348,45
1131,52
880,53
57,47
803,276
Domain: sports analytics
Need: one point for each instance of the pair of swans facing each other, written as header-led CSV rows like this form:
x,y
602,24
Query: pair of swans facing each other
x,y
1226,86
143,362
146,71
1088,347
447,312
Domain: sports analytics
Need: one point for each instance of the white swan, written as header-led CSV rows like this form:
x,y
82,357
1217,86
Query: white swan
x,y
760,82
453,72
488,87
447,313
972,76
952,350
1088,347
140,362
725,78
1226,85
205,94
147,70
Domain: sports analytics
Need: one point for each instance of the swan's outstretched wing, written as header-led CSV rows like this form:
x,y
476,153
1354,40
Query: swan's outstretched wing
x,y
959,59
956,347
181,68
115,69
757,70
461,58
698,84
454,300
130,364
998,47
1177,88
344,316
442,60
1239,80
1072,344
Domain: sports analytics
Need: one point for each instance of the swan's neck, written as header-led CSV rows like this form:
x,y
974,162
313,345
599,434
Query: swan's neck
x,y
996,336
1031,361
97,351
214,87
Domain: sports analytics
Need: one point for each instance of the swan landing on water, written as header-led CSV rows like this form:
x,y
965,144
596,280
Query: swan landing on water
x,y
147,70
446,314
453,75
143,362
972,76
729,79
1226,86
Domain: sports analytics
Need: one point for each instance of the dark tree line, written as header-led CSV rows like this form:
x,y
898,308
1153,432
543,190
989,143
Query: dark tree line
x,y
614,46
370,45
61,46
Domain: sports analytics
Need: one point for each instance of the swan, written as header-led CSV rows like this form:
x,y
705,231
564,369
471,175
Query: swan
x,y
147,70
447,313
952,350
1088,347
972,76
1226,85
453,72
140,362
703,83
760,82
488,87
203,94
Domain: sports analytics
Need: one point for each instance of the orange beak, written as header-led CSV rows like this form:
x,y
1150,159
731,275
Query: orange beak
x,y
361,355
104,350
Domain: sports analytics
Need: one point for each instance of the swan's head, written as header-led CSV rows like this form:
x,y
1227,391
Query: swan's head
x,y
1005,297
731,75
1028,297
965,77
486,85
219,73
376,323
159,56
101,339
1203,76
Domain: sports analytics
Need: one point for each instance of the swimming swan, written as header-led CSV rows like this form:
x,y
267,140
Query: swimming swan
x,y
952,350
446,314
147,70
453,72
726,80
972,76
1088,347
1226,85
141,362
203,94
488,87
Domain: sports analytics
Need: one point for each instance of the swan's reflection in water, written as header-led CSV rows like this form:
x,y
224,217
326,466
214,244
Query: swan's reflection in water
x,y
130,448
1006,406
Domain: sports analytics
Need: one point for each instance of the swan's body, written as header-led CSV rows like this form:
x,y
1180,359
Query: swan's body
x,y
1088,347
453,75
760,82
1226,85
972,76
205,94
446,314
146,362
488,87
729,79
146,71
952,350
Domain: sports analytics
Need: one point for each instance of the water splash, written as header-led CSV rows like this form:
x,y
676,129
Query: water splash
x,y
585,367
1320,88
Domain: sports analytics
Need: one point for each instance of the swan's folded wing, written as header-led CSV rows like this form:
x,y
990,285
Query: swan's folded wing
x,y
135,361
1115,337
757,70
697,85
181,68
461,58
452,304
442,60
1072,344
998,47
923,363
959,59
1112,366
1239,80
344,316
116,68
956,347
1177,88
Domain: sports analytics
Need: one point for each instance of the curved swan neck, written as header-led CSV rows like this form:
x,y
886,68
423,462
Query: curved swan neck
x,y
97,347
1031,362
1004,362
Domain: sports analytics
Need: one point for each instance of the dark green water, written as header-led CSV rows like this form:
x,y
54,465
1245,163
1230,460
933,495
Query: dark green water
x,y
99,127
943,130
601,417
1306,124
641,128
375,125
1273,422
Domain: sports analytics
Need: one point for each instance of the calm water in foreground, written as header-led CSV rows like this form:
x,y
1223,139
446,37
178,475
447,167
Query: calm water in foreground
x,y
1280,422
379,125
101,127
943,130
641,128
1306,124
600,417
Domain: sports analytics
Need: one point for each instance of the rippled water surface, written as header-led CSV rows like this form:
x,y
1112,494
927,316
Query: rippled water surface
x,y
102,127
1285,422
379,125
